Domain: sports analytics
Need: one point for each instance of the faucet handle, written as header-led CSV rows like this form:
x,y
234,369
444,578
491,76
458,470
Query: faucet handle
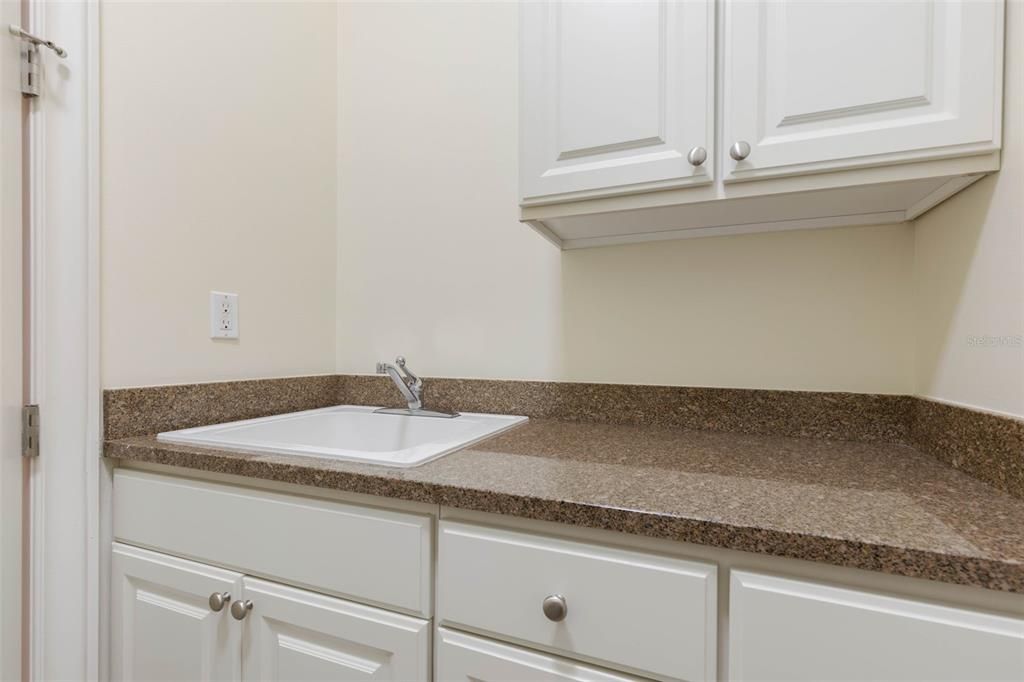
x,y
416,381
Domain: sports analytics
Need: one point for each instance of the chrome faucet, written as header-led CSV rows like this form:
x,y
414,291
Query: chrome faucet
x,y
408,383
411,388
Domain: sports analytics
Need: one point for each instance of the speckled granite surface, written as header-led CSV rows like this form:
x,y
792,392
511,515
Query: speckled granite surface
x,y
152,409
876,506
986,446
834,416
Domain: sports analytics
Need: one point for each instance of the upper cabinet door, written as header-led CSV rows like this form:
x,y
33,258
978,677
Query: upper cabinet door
x,y
818,86
162,624
614,95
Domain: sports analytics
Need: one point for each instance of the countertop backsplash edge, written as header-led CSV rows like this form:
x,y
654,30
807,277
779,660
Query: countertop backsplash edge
x,y
986,446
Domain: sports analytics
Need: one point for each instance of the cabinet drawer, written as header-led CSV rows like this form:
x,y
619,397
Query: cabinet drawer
x,y
785,629
464,658
366,554
643,612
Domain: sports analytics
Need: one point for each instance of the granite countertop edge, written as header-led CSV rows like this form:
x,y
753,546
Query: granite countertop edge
x,y
948,567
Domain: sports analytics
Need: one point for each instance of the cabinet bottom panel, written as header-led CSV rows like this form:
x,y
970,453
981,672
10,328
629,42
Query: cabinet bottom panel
x,y
465,658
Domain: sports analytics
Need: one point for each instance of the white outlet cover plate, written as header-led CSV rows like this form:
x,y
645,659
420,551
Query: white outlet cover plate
x,y
223,315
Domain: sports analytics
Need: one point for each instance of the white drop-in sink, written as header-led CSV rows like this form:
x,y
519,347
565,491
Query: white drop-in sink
x,y
350,432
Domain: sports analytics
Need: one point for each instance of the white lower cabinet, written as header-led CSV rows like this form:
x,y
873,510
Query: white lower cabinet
x,y
164,627
293,634
465,658
374,555
794,630
645,613
512,605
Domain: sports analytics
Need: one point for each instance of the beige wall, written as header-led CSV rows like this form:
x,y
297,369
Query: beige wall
x,y
969,271
808,310
218,172
433,263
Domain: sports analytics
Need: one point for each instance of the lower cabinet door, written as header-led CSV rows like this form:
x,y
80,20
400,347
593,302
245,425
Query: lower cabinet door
x,y
465,658
292,634
797,631
162,624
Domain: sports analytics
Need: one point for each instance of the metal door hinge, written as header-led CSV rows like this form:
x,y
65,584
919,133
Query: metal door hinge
x,y
30,431
30,57
30,70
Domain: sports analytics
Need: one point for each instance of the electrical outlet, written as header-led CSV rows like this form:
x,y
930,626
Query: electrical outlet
x,y
223,315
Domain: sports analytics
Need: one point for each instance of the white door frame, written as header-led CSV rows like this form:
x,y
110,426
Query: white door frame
x,y
12,466
66,567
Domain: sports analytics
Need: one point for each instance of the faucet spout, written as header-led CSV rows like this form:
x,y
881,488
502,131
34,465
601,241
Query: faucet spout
x,y
411,388
410,385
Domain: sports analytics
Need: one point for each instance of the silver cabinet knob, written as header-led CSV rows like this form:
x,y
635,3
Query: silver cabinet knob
x,y
740,150
697,156
218,600
555,607
241,609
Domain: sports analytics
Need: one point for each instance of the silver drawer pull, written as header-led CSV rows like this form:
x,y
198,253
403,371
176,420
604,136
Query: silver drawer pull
x,y
241,609
697,156
218,600
740,150
555,607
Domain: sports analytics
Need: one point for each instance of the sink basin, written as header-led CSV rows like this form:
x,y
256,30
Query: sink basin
x,y
349,432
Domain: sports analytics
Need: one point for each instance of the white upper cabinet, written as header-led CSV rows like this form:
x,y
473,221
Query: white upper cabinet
x,y
816,86
799,113
615,95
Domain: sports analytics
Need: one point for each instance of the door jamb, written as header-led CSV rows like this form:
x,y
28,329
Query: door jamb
x,y
82,648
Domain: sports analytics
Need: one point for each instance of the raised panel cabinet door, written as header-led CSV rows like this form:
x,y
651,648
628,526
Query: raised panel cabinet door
x,y
613,96
793,630
292,634
814,86
465,658
162,624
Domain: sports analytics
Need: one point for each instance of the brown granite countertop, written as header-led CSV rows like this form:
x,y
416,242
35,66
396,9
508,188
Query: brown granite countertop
x,y
874,506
